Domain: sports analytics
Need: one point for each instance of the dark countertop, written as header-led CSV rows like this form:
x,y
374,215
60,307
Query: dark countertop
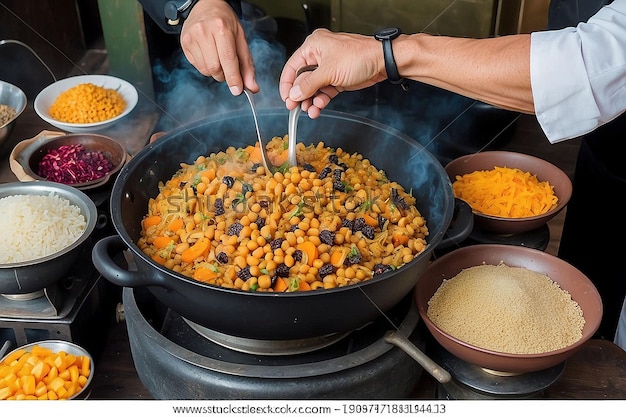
x,y
596,371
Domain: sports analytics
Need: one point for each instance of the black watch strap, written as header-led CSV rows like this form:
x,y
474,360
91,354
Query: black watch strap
x,y
386,36
177,11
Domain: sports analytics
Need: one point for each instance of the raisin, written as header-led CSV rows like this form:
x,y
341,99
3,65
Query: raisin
x,y
229,181
337,174
282,270
358,224
368,231
222,258
324,173
244,273
380,269
333,158
219,207
339,186
260,222
276,243
328,237
234,229
343,166
347,223
308,167
326,269
246,188
297,255
397,200
353,259
381,221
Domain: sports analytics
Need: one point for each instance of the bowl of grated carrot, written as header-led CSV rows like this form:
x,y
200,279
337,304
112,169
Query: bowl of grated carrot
x,y
509,192
86,103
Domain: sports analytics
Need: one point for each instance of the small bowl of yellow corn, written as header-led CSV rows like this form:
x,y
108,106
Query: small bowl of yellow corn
x,y
86,103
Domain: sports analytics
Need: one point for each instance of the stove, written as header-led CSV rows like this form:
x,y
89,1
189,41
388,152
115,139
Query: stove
x,y
73,309
198,363
473,382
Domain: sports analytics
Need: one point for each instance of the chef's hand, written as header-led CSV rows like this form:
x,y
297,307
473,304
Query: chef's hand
x,y
345,62
214,42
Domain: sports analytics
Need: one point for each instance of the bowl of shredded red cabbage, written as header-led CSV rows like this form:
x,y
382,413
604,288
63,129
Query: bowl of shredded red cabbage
x,y
83,161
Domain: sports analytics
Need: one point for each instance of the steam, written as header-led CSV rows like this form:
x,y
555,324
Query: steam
x,y
189,96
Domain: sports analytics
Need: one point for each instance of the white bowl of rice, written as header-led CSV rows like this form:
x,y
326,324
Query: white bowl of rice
x,y
45,225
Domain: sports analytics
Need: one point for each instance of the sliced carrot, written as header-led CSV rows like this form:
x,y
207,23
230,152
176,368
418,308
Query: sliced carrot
x,y
279,159
40,351
303,285
151,221
176,224
16,354
399,239
204,274
310,249
369,220
157,258
162,241
337,257
255,154
196,250
281,285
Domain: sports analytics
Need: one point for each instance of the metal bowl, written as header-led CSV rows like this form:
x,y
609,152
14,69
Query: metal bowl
x,y
13,97
30,157
569,278
20,278
544,171
57,346
48,95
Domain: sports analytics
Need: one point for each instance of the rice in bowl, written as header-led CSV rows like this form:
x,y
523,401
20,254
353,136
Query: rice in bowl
x,y
38,226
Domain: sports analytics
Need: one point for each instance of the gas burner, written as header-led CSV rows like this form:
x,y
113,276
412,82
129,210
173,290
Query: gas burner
x,y
536,239
474,382
24,297
358,364
267,347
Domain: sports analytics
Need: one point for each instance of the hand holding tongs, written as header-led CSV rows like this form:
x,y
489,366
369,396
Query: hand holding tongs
x,y
293,123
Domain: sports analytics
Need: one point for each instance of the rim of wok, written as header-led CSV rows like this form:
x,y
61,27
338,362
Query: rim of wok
x,y
432,239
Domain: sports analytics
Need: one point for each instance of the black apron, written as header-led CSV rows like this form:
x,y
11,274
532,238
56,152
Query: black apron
x,y
594,231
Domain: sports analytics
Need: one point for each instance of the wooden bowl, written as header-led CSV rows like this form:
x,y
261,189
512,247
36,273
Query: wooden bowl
x,y
544,171
569,278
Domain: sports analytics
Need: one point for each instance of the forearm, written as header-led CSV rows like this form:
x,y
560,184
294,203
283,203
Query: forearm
x,y
493,70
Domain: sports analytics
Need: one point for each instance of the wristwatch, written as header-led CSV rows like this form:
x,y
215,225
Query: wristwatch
x,y
386,36
177,11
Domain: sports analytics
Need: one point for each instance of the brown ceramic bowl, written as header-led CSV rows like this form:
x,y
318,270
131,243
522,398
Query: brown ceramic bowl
x,y
544,171
114,151
569,278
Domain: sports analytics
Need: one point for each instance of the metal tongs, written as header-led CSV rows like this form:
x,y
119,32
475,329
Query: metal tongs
x,y
267,164
293,123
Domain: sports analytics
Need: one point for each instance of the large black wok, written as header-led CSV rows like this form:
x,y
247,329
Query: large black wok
x,y
271,316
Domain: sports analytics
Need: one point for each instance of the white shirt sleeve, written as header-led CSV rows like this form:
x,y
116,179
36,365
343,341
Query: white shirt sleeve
x,y
578,75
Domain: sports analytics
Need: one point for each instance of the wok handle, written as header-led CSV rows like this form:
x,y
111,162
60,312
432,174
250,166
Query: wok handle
x,y
460,227
102,258
399,340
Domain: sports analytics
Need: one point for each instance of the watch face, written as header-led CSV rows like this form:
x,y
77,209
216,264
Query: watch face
x,y
387,33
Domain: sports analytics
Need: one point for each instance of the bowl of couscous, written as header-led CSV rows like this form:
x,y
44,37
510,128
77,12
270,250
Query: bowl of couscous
x,y
508,309
509,192
12,104
86,103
